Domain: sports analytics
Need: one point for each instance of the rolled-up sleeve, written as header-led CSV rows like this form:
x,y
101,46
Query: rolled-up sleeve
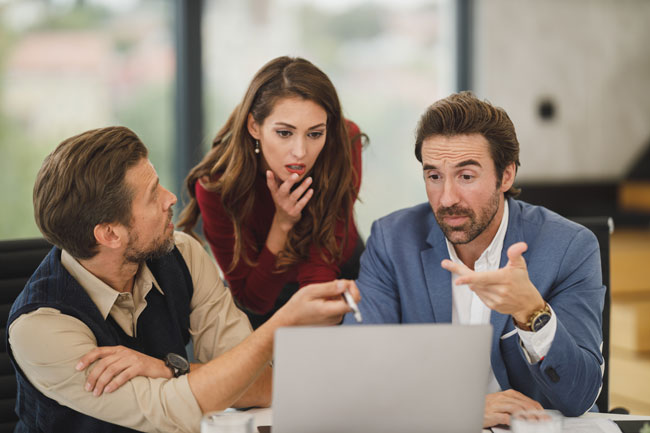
x,y
216,324
47,345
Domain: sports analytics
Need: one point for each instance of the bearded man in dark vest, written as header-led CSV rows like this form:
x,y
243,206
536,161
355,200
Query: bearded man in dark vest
x,y
98,336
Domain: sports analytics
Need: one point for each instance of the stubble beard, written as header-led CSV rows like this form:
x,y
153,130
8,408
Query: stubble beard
x,y
159,247
470,230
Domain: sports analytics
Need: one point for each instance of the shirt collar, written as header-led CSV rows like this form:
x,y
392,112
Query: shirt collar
x,y
491,257
144,280
103,295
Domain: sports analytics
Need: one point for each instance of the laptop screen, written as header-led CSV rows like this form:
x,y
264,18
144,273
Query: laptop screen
x,y
381,378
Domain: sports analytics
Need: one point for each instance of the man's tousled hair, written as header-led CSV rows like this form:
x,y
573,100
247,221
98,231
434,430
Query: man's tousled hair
x,y
82,184
463,113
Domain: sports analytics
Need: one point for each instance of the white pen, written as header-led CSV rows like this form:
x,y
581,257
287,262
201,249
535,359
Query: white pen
x,y
353,305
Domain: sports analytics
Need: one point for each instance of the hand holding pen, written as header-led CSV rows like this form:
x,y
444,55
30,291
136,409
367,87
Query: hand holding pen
x,y
319,304
351,303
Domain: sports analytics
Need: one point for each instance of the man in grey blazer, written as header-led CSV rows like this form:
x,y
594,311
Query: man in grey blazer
x,y
474,254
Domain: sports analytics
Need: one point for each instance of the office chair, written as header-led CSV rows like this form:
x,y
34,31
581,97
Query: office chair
x,y
18,261
603,227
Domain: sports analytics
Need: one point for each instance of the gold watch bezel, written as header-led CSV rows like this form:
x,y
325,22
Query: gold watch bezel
x,y
535,315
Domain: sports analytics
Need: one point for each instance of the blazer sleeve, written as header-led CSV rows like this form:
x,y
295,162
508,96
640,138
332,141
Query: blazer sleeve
x,y
570,375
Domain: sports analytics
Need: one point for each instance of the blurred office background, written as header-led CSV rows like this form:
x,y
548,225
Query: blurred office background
x,y
574,75
70,65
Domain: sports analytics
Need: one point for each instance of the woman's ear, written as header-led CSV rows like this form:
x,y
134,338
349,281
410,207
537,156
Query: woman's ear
x,y
253,127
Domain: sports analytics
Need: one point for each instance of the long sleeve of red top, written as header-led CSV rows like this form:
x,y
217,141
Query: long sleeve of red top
x,y
257,287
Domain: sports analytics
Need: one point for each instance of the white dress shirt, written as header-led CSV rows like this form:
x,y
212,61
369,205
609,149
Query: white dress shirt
x,y
468,309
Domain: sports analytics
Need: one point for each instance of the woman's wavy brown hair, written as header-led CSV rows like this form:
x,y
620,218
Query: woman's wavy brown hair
x,y
233,160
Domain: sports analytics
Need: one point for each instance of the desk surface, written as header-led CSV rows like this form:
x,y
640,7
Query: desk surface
x,y
264,416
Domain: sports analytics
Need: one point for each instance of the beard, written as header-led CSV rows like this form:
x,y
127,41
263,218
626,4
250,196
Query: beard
x,y
473,227
159,247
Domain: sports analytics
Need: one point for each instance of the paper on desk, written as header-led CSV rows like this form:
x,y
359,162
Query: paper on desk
x,y
580,425
589,425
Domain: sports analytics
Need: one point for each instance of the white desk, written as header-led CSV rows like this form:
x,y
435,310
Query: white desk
x,y
264,417
616,416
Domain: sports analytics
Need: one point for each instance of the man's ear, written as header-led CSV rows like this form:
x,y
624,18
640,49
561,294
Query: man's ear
x,y
508,177
109,235
253,127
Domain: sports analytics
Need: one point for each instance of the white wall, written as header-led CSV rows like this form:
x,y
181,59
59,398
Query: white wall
x,y
592,57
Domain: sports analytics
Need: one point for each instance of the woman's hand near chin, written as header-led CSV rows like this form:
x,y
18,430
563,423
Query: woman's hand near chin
x,y
288,207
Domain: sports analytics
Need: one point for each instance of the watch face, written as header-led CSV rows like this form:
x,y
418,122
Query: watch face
x,y
540,321
177,363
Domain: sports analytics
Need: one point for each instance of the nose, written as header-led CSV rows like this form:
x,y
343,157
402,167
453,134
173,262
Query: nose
x,y
299,148
449,195
170,199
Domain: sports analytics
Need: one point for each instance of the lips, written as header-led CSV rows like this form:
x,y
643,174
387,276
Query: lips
x,y
454,220
295,168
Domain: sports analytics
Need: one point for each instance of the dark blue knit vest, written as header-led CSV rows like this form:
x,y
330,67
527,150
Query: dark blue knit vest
x,y
163,327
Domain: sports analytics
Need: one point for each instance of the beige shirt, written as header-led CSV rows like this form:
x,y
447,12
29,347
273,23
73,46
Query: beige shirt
x,y
47,346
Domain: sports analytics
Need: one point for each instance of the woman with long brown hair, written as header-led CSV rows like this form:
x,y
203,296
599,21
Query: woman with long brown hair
x,y
276,191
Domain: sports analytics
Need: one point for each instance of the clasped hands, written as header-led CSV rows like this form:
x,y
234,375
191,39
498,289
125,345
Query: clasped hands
x,y
116,365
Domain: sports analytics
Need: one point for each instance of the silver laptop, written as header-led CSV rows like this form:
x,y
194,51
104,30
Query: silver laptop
x,y
381,378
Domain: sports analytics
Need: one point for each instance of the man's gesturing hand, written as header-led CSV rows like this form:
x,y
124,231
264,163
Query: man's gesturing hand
x,y
507,290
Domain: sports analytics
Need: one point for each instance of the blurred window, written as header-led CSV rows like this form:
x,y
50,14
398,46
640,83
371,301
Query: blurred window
x,y
67,66
71,65
389,60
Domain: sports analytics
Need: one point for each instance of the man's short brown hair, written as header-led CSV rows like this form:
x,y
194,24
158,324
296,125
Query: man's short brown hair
x,y
463,113
81,184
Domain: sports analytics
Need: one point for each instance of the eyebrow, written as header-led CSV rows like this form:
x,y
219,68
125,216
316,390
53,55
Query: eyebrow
x,y
152,188
288,125
459,165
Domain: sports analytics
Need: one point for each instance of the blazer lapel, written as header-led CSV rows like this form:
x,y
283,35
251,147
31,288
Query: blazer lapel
x,y
437,279
499,321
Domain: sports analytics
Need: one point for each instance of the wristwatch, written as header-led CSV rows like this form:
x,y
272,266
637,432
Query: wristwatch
x,y
539,318
177,364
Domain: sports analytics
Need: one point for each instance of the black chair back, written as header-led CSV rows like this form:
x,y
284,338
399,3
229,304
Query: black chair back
x,y
18,261
602,227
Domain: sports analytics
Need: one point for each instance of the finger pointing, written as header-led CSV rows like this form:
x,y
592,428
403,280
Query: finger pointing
x,y
456,268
